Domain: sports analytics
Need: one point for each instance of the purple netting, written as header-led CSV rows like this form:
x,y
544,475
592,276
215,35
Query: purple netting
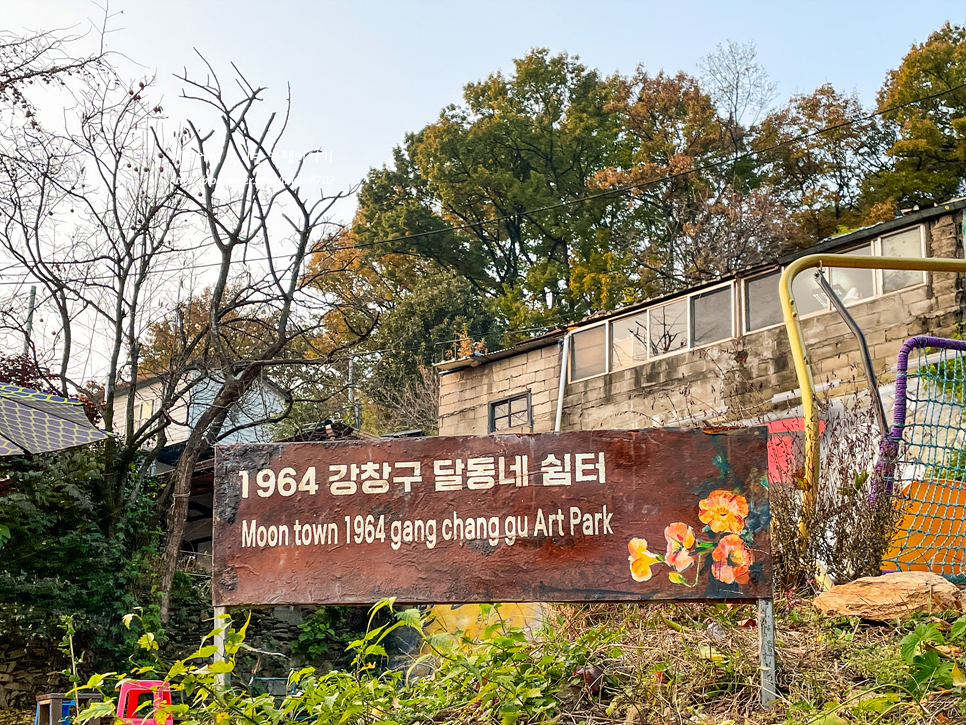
x,y
885,467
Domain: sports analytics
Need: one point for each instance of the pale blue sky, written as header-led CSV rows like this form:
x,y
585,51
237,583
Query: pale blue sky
x,y
364,73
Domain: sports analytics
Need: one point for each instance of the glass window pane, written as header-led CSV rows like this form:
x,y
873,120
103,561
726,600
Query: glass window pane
x,y
762,304
629,341
903,244
852,285
587,356
808,295
510,413
669,327
711,316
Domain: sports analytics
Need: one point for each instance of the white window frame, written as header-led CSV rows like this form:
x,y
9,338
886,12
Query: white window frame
x,y
877,279
609,366
739,312
876,288
877,251
687,327
743,305
732,284
570,354
647,340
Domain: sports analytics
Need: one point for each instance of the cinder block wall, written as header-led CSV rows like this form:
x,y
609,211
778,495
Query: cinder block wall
x,y
465,396
740,379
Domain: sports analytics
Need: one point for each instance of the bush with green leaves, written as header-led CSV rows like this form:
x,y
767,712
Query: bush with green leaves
x,y
325,634
507,676
935,660
59,557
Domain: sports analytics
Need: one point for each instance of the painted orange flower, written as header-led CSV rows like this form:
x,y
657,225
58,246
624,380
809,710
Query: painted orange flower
x,y
731,560
723,512
680,542
641,559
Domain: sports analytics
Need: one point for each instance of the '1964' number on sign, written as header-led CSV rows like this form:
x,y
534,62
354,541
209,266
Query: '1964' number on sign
x,y
267,482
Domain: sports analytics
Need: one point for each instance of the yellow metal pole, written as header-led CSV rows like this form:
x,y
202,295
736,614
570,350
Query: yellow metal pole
x,y
797,341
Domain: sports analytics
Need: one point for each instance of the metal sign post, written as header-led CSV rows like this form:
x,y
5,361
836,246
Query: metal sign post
x,y
766,651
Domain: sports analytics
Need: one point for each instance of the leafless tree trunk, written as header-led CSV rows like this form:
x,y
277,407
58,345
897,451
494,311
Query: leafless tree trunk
x,y
252,210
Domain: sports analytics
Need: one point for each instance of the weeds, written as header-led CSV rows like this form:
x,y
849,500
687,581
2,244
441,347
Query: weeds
x,y
658,664
849,527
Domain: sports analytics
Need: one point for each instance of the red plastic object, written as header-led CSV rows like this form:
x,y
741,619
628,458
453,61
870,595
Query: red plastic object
x,y
131,696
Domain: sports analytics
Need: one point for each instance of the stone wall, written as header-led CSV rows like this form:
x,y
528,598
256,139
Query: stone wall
x,y
465,396
32,668
28,669
738,380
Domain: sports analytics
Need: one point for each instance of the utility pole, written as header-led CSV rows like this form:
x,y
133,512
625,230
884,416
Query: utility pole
x,y
355,405
30,320
357,412
352,391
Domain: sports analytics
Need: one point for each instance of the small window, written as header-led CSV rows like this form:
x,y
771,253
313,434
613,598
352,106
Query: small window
x,y
852,285
143,412
808,295
711,316
903,244
668,327
588,353
510,413
628,341
763,306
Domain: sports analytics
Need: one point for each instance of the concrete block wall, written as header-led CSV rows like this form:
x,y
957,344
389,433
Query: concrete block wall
x,y
465,396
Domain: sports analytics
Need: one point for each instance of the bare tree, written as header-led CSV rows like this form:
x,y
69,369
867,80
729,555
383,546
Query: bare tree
x,y
252,210
132,226
410,403
88,213
737,83
41,59
741,91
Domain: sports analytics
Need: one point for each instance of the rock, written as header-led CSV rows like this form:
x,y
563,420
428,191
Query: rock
x,y
891,596
288,615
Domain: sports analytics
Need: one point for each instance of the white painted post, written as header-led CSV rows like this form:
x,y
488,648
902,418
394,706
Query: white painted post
x,y
221,623
766,651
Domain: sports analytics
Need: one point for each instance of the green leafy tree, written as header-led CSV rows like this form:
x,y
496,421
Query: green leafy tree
x,y
696,213
59,561
439,316
817,173
499,167
929,147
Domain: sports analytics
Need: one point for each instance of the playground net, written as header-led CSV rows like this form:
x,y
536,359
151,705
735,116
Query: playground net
x,y
922,461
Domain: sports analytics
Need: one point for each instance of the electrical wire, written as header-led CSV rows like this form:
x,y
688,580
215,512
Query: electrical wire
x,y
615,191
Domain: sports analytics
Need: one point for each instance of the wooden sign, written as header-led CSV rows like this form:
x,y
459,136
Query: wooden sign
x,y
657,514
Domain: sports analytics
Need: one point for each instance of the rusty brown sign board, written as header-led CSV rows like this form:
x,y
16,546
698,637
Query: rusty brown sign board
x,y
657,514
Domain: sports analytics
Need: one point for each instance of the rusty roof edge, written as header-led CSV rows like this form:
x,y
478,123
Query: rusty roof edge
x,y
829,244
472,361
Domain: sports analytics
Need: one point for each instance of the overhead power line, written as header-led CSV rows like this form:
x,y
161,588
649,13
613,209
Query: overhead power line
x,y
25,277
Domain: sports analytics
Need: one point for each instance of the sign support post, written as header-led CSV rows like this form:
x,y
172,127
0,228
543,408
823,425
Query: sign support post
x,y
221,626
766,651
